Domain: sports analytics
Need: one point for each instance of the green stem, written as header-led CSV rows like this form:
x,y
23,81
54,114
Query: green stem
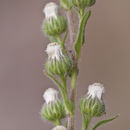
x,y
65,96
70,20
86,122
59,40
61,43
73,95
63,90
83,122
57,122
53,79
81,13
69,15
65,36
73,84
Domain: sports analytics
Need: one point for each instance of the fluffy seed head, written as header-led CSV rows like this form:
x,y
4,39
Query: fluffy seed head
x,y
50,95
59,128
54,51
51,10
95,91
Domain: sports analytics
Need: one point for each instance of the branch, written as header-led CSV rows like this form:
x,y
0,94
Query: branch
x,y
53,79
72,40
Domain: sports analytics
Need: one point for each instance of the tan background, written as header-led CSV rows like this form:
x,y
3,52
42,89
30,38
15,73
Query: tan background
x,y
106,59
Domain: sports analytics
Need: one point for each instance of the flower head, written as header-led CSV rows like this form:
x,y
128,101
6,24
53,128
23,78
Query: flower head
x,y
95,91
53,108
59,128
50,95
54,51
51,10
93,104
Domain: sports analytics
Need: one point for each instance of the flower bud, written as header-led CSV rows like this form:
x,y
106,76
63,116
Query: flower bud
x,y
92,104
59,128
53,108
58,63
83,3
54,27
53,24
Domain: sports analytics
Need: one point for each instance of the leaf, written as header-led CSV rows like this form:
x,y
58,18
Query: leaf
x,y
103,122
53,79
81,34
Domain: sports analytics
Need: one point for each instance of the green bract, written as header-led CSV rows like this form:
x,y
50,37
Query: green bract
x,y
53,111
83,3
59,67
66,4
92,107
54,27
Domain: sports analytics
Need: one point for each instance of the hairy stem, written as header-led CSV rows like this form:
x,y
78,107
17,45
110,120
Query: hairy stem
x,y
73,84
71,27
57,122
70,124
60,41
64,93
72,97
85,122
74,75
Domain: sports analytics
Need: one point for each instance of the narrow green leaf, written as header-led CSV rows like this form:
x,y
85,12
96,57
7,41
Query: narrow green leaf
x,y
103,122
81,34
53,79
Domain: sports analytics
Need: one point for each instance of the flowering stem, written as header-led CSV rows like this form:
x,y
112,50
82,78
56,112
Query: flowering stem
x,y
65,97
81,13
85,122
57,122
70,27
73,94
73,84
70,124
74,73
65,36
60,41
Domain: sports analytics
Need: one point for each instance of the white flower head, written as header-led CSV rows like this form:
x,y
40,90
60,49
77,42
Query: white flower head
x,y
54,51
50,95
59,128
95,91
51,10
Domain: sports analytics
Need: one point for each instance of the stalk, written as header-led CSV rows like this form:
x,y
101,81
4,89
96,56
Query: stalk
x,y
69,16
74,72
72,97
63,89
57,122
85,122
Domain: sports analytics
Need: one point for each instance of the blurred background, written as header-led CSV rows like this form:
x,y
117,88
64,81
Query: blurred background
x,y
105,59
